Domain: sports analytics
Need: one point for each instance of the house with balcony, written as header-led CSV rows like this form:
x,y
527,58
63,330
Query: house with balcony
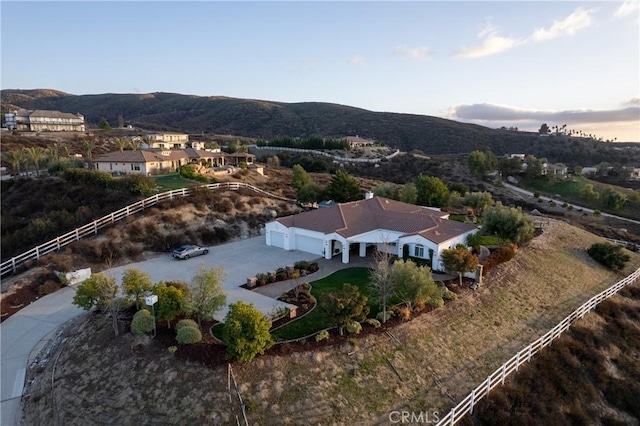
x,y
44,121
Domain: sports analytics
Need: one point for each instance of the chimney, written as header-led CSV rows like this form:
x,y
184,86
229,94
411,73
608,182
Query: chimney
x,y
368,195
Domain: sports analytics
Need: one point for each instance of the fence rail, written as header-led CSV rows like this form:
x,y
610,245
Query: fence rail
x,y
497,377
12,265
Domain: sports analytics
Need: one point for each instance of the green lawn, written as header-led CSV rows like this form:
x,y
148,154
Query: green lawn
x,y
490,240
314,321
171,181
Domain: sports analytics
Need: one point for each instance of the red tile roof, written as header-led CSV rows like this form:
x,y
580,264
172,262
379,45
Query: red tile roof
x,y
359,217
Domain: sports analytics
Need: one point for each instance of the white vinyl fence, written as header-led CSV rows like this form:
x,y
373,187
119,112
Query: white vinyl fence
x,y
11,265
497,377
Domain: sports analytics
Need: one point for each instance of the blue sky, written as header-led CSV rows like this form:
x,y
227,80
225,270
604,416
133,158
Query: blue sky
x,y
492,63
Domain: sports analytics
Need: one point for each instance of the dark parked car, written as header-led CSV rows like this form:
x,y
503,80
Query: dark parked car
x,y
189,250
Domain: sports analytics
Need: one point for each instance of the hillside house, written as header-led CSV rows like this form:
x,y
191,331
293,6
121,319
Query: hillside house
x,y
358,142
44,120
392,226
157,160
169,140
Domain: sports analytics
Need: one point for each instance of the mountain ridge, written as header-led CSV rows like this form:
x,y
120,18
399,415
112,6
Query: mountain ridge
x,y
260,118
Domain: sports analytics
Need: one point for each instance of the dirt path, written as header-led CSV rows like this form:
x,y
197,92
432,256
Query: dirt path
x,y
99,379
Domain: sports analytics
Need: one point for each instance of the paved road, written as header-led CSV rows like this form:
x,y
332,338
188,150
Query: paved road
x,y
29,329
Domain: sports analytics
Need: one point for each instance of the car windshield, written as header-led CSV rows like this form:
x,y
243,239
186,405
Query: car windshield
x,y
183,248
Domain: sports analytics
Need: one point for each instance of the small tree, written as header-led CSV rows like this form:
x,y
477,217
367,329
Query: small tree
x,y
478,200
386,190
380,281
431,191
459,260
409,193
104,124
344,306
171,302
118,305
136,284
206,295
414,284
300,177
246,331
142,322
610,255
508,223
343,188
613,199
97,290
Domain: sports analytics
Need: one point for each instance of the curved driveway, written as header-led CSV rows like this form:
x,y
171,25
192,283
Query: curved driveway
x,y
28,329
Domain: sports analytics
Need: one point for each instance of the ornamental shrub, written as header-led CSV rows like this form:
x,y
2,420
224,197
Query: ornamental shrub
x,y
323,335
185,323
374,322
354,327
609,255
142,322
187,335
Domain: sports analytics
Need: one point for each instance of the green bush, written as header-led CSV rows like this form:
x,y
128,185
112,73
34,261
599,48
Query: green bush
x,y
301,264
436,302
380,316
313,267
142,322
449,295
323,335
373,322
185,323
609,255
187,335
354,327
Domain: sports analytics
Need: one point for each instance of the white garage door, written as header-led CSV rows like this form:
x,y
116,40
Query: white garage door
x,y
309,244
277,239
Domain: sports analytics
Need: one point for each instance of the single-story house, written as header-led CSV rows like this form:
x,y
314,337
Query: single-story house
x,y
358,142
392,226
143,161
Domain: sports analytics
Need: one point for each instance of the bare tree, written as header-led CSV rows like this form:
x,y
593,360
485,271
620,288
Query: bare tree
x,y
118,305
380,282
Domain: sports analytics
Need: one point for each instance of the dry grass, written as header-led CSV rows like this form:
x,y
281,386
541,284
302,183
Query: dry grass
x,y
445,353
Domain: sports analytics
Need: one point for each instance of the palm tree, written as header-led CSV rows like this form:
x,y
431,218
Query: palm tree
x,y
15,158
54,152
122,143
89,145
36,155
147,140
66,147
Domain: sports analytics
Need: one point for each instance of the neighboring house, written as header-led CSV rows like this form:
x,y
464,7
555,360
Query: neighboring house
x,y
154,160
587,171
143,161
393,226
554,169
519,156
238,158
635,173
358,142
44,120
169,140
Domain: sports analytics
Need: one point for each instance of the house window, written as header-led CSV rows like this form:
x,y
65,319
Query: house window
x,y
418,251
135,167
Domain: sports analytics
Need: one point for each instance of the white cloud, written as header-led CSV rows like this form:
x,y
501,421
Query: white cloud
x,y
627,7
356,60
502,113
492,44
633,102
570,25
419,53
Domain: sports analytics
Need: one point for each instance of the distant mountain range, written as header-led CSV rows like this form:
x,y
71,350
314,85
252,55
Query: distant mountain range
x,y
266,119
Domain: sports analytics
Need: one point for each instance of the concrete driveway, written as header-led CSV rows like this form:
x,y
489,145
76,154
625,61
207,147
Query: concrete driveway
x,y
240,260
28,329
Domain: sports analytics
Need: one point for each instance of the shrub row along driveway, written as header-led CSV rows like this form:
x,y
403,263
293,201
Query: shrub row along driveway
x,y
23,334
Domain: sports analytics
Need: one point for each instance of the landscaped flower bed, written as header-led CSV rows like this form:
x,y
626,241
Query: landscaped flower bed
x,y
298,270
